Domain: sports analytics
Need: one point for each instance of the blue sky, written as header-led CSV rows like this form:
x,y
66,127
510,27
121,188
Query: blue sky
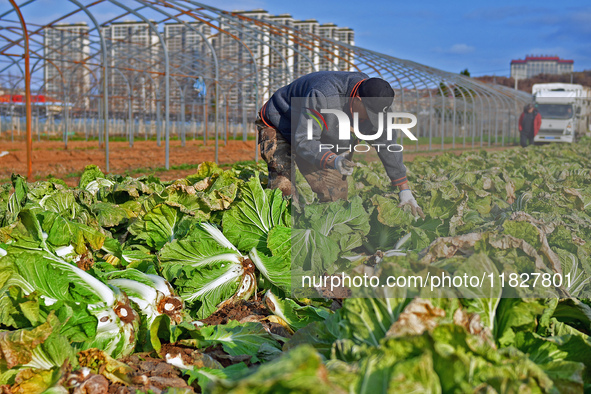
x,y
482,36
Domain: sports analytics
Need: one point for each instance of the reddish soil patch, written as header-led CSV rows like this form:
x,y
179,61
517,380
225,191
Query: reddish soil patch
x,y
239,311
149,374
51,158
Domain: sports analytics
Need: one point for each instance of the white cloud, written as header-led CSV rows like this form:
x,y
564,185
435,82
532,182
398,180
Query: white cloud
x,y
460,49
456,49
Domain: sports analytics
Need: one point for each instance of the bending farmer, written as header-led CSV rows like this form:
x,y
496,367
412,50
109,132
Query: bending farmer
x,y
284,122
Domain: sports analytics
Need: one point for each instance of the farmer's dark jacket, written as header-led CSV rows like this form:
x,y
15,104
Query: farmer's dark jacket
x,y
530,123
324,89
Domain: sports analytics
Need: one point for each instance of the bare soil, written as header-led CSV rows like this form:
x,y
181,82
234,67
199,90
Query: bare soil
x,y
239,311
51,157
149,373
146,157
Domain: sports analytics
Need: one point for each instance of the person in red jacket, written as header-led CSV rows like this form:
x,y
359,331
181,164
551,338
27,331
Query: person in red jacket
x,y
529,124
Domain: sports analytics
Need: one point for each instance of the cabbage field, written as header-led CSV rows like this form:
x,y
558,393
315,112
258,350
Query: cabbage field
x,y
124,285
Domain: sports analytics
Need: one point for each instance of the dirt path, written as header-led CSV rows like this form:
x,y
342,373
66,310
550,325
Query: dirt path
x,y
50,157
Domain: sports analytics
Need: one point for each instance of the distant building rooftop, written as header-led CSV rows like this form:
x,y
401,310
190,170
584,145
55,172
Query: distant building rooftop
x,y
541,58
540,64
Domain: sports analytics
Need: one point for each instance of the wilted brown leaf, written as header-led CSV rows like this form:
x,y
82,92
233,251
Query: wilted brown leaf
x,y
510,189
456,219
33,381
16,347
203,184
526,217
418,316
578,198
472,324
446,247
509,242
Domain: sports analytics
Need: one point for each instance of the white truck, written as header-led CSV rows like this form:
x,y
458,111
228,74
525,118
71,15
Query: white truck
x,y
565,110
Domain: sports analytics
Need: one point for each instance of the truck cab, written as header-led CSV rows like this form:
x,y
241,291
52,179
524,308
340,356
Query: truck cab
x,y
565,110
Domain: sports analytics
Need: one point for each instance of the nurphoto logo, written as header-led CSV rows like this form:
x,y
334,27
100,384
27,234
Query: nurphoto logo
x,y
344,130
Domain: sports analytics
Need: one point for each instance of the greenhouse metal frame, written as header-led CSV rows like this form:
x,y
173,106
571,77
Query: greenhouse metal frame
x,y
152,68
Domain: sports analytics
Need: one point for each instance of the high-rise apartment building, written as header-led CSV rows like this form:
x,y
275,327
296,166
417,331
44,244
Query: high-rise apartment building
x,y
345,58
133,46
307,47
66,50
238,44
189,54
187,37
280,47
328,52
282,41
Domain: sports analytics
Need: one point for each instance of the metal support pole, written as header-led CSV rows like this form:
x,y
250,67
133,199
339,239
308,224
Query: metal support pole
x,y
217,113
158,123
130,120
194,121
166,108
27,90
182,118
105,108
244,122
226,121
442,117
496,123
431,115
206,121
453,128
65,123
256,107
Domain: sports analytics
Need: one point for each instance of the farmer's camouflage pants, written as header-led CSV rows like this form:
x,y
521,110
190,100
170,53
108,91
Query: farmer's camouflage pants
x,y
328,184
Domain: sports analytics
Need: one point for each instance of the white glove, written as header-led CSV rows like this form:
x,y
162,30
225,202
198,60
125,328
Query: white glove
x,y
406,198
344,165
